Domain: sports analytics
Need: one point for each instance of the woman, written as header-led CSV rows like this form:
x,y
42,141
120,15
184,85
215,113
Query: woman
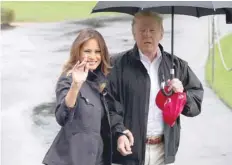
x,y
81,107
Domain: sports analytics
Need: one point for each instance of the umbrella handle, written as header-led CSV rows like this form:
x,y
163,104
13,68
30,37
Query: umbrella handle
x,y
163,85
163,90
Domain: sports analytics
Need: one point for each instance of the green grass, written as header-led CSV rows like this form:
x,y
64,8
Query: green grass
x,y
222,84
51,11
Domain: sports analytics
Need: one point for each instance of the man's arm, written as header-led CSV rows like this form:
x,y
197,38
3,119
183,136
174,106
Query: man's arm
x,y
194,92
116,110
123,136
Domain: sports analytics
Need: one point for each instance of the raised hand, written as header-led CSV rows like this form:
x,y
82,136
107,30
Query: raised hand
x,y
80,71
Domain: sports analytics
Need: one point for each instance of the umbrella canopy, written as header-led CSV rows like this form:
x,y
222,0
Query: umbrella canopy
x,y
191,8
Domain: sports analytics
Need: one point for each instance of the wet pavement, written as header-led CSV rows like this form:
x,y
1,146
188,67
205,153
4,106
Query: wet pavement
x,y
31,61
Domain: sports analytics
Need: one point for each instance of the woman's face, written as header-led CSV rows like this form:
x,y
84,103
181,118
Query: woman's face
x,y
92,52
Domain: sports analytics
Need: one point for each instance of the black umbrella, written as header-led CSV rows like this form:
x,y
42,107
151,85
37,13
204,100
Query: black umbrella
x,y
191,8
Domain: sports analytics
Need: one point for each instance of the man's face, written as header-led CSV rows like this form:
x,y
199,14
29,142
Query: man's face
x,y
147,34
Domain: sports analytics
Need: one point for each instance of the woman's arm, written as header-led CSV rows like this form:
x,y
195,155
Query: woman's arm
x,y
71,97
66,98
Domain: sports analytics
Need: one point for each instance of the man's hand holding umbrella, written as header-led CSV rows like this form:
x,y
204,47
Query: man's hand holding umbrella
x,y
175,85
173,105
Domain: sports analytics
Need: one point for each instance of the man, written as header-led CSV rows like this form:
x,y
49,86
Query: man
x,y
142,136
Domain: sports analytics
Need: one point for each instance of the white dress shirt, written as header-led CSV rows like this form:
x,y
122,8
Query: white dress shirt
x,y
155,117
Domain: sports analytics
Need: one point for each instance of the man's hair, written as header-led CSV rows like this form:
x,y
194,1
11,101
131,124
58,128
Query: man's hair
x,y
157,17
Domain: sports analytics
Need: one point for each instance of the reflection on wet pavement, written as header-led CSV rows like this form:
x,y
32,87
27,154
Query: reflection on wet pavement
x,y
32,58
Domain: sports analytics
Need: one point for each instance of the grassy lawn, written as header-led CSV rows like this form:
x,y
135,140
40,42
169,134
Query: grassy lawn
x,y
223,79
50,11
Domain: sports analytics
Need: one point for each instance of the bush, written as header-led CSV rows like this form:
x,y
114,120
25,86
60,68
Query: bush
x,y
7,16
